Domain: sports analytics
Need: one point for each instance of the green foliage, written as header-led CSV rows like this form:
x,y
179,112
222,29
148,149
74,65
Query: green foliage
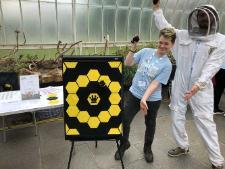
x,y
24,56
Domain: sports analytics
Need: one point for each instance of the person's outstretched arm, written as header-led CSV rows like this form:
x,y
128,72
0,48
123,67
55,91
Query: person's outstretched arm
x,y
151,88
210,68
160,20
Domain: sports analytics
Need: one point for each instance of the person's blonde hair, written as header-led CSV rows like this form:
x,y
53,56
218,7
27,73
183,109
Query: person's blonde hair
x,y
168,33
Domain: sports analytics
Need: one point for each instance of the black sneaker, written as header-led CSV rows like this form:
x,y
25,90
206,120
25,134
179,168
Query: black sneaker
x,y
123,148
217,167
177,152
218,111
148,156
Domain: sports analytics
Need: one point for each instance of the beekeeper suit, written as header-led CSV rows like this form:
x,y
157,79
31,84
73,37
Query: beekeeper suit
x,y
199,52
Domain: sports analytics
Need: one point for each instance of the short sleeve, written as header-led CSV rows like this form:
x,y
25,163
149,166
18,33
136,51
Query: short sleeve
x,y
137,56
164,75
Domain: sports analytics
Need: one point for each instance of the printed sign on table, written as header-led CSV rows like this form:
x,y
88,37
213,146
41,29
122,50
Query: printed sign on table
x,y
29,87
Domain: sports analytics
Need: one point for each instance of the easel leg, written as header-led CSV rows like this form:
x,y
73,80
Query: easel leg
x,y
71,153
4,129
96,144
118,147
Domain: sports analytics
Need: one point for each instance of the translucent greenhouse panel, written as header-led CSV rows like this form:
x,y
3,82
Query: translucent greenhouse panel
x,y
180,4
184,18
145,25
154,31
147,4
11,20
136,3
65,22
219,5
176,19
191,4
82,1
169,15
171,4
95,2
109,23
31,23
222,20
81,21
123,2
49,25
64,1
203,2
163,3
109,2
2,36
95,25
47,0
121,25
134,20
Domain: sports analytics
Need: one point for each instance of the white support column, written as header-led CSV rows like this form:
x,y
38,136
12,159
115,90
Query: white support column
x,y
88,13
139,27
115,22
128,19
102,22
151,23
57,19
39,7
74,20
2,23
21,15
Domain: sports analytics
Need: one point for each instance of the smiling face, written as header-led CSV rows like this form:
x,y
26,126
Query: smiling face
x,y
164,45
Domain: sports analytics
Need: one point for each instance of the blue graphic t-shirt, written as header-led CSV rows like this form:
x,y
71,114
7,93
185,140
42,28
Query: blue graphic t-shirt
x,y
150,67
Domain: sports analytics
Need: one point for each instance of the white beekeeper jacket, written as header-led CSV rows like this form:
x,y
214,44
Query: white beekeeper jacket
x,y
199,55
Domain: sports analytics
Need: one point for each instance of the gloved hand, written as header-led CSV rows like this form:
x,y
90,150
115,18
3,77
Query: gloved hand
x,y
135,39
155,1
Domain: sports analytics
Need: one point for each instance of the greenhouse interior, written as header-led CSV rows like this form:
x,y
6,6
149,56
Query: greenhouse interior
x,y
72,72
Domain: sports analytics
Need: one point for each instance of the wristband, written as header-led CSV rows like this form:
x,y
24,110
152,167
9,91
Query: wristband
x,y
132,51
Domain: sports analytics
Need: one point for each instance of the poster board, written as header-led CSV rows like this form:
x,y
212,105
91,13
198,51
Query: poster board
x,y
93,97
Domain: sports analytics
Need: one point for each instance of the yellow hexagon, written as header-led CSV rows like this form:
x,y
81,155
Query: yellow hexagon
x,y
93,75
72,111
104,116
105,79
93,99
114,110
114,98
70,65
114,64
82,81
72,87
114,87
64,67
114,131
71,131
72,99
83,116
93,122
121,127
120,68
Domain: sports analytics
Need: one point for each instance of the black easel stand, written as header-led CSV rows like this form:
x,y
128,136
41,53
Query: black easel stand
x,y
71,153
96,145
121,159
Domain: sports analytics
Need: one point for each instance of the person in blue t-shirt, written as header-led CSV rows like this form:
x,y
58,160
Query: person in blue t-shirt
x,y
154,68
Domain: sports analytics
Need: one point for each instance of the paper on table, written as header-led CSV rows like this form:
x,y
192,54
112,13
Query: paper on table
x,y
11,96
29,87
